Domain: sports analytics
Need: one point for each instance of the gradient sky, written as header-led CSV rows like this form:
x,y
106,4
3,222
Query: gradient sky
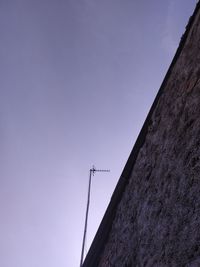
x,y
77,80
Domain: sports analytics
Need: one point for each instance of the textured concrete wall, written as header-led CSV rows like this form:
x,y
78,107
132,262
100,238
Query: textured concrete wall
x,y
157,222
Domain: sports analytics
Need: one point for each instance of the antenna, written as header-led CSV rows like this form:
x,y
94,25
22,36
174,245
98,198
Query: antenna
x,y
92,172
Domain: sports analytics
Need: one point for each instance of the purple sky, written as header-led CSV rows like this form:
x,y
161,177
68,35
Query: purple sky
x,y
77,80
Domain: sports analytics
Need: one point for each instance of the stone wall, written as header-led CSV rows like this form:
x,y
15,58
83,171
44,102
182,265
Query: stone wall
x,y
157,222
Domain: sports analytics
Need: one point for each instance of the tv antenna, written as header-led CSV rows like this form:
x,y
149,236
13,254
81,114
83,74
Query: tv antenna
x,y
91,173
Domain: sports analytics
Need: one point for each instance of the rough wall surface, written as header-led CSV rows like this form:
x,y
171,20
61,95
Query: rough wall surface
x,y
157,222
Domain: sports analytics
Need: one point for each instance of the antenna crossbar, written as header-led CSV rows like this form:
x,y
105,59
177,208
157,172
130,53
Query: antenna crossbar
x,y
93,170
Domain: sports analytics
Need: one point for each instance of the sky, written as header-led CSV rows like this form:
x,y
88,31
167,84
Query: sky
x,y
77,79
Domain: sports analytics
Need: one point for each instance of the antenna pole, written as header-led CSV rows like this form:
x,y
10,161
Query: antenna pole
x,y
92,171
86,218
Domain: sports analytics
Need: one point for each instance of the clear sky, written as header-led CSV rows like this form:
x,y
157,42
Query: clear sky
x,y
77,78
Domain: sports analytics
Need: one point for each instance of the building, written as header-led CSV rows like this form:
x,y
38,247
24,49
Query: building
x,y
153,218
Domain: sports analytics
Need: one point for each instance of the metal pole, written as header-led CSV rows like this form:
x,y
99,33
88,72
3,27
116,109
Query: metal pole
x,y
92,171
86,217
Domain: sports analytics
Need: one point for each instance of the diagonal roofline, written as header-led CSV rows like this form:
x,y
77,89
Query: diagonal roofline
x,y
96,249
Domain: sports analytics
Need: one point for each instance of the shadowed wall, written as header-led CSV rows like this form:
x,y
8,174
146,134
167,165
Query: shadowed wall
x,y
157,219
